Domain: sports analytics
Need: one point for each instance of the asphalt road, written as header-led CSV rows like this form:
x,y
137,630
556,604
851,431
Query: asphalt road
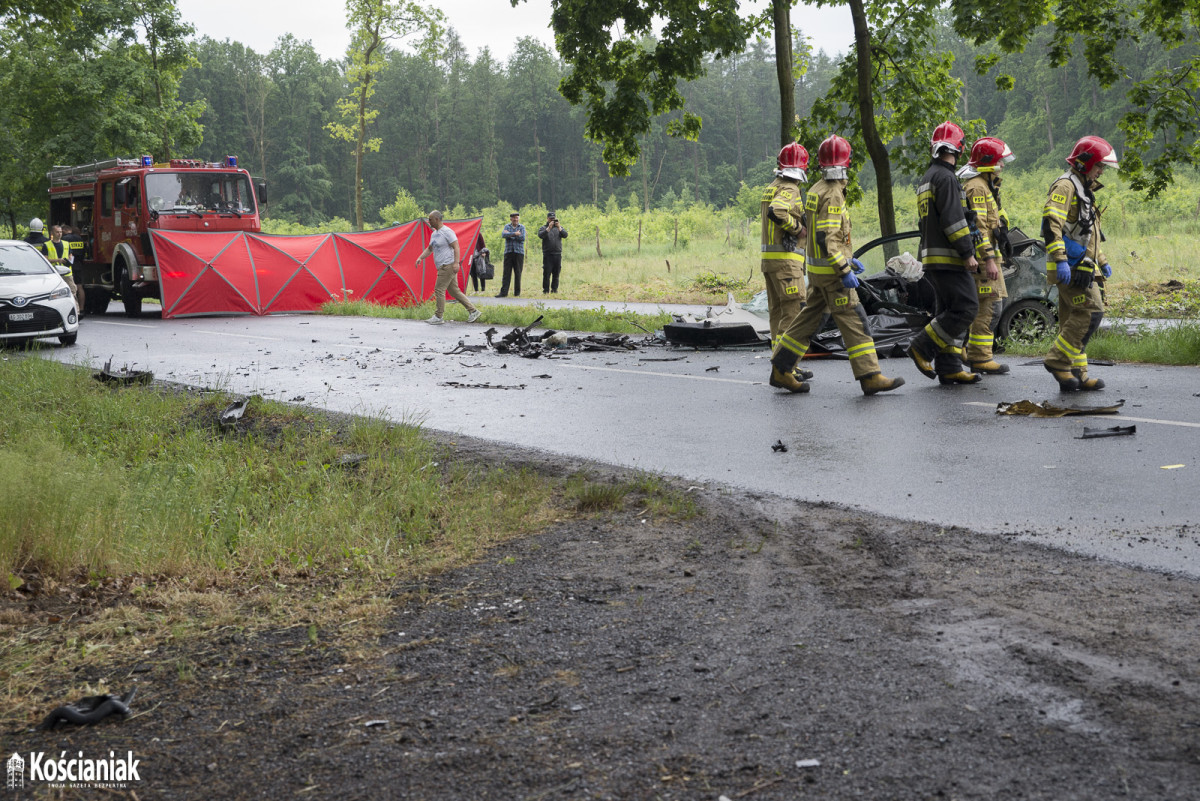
x,y
928,453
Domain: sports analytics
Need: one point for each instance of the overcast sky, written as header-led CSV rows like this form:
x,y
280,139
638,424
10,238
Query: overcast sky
x,y
494,24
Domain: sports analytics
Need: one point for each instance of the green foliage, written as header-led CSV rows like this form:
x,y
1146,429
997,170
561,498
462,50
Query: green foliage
x,y
713,282
404,209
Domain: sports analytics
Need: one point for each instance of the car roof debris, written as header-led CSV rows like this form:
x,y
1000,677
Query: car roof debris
x,y
1114,431
1048,409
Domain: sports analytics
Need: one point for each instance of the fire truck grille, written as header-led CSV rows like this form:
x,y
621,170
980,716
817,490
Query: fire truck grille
x,y
44,319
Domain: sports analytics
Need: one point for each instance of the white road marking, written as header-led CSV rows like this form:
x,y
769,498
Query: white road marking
x,y
664,375
110,322
1109,417
233,334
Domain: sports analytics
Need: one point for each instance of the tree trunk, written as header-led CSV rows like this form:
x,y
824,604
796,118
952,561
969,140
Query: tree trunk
x,y
1049,125
782,13
866,112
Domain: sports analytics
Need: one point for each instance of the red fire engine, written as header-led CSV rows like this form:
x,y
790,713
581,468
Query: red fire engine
x,y
114,204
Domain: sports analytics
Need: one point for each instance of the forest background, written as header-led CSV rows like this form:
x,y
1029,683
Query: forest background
x,y
474,135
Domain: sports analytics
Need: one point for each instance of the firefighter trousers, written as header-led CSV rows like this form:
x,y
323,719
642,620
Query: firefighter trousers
x,y
981,337
1079,314
785,294
826,295
957,305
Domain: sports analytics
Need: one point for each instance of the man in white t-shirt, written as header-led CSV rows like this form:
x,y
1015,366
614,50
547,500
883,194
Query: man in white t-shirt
x,y
443,244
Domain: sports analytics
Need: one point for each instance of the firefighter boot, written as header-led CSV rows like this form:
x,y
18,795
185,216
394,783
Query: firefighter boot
x,y
961,377
802,374
1086,383
1066,381
788,381
922,351
878,383
991,366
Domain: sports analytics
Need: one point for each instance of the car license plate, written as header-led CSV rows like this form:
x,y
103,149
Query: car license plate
x,y
18,317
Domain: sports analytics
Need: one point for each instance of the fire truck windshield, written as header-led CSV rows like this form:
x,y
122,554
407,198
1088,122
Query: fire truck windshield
x,y
197,193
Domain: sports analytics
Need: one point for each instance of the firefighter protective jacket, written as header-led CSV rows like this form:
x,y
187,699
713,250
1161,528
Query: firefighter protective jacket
x,y
1071,211
782,220
988,214
942,209
828,244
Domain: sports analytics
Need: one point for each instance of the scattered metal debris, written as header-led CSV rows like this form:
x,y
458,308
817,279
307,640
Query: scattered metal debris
x,y
543,375
667,359
1048,409
89,710
808,763
460,385
1115,431
463,347
715,368
520,342
779,447
124,375
233,412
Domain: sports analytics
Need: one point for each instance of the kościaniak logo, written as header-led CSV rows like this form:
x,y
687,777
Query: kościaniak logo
x,y
110,772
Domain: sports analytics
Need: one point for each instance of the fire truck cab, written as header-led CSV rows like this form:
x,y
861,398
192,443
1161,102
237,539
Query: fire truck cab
x,y
113,205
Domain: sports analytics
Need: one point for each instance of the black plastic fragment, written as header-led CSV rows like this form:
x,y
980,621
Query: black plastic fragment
x,y
1115,431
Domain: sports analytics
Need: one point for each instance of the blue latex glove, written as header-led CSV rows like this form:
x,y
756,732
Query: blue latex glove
x,y
1063,272
850,281
1104,268
857,266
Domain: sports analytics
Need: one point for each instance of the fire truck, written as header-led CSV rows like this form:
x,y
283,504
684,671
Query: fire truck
x,y
114,204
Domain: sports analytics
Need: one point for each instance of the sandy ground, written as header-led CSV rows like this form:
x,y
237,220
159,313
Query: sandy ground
x,y
765,649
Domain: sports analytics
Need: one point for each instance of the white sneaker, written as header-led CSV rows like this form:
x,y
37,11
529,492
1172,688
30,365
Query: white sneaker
x,y
473,316
435,320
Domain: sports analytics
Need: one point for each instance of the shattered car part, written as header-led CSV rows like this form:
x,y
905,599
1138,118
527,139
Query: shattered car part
x,y
460,385
1047,409
1114,431
89,710
123,376
233,412
779,447
519,342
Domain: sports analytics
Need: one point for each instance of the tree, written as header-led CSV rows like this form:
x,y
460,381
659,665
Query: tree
x,y
1163,121
373,24
624,84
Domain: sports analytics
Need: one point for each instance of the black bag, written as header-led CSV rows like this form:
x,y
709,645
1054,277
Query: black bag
x,y
482,268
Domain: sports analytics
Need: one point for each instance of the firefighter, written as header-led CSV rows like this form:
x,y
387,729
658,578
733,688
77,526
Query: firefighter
x,y
981,185
832,282
782,229
948,256
35,236
1071,229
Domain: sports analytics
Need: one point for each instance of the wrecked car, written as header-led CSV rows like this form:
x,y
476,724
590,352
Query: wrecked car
x,y
898,300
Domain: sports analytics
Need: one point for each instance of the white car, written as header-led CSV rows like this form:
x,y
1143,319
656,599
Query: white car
x,y
35,302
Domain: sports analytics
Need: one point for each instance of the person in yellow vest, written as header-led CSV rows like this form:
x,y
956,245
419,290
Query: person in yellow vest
x,y
832,282
1071,230
59,253
981,185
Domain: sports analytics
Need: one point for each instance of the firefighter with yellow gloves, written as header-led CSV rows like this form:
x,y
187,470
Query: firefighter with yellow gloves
x,y
1071,230
981,186
782,229
948,256
833,281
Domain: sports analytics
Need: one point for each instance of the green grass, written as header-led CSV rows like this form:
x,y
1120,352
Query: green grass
x,y
1176,344
131,524
512,316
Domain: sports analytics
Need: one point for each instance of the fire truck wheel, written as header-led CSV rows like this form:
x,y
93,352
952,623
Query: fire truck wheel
x,y
129,294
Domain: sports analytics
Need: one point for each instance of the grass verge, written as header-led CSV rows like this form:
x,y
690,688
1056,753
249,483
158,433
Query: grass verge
x,y
132,525
1175,344
596,320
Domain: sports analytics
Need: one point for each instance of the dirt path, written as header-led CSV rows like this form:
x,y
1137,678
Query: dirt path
x,y
624,658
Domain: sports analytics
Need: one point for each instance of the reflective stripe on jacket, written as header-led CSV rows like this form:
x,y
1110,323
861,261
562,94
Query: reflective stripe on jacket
x,y
1070,210
828,244
782,209
942,212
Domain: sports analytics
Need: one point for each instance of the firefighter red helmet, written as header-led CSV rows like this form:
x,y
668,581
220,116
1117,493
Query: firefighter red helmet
x,y
834,152
1090,151
793,157
988,153
947,136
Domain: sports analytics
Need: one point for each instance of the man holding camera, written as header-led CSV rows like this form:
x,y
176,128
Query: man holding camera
x,y
552,234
